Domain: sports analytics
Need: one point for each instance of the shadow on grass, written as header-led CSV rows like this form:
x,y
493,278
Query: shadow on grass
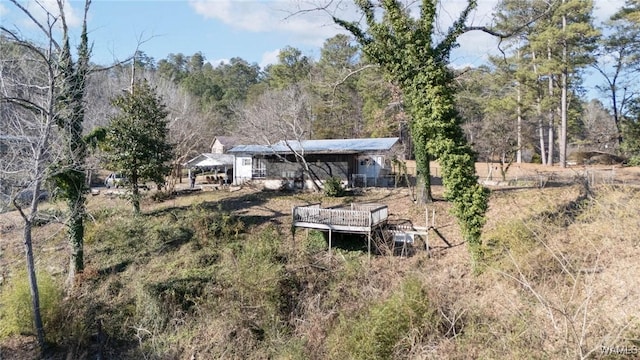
x,y
227,204
116,268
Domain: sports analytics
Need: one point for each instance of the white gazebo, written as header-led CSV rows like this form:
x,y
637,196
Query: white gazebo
x,y
210,161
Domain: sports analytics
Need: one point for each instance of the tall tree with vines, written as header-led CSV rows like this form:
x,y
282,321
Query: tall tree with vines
x,y
405,47
69,173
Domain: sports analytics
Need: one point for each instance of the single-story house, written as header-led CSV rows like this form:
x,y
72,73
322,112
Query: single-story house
x,y
358,162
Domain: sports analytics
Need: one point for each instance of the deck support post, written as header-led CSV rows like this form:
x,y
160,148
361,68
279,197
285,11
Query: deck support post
x,y
369,244
329,242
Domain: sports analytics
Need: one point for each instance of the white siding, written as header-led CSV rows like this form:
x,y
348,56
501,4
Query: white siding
x,y
242,169
217,147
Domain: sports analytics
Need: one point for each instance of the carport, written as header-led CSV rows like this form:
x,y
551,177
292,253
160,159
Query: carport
x,y
210,162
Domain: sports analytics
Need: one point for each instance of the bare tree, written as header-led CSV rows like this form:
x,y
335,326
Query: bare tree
x,y
41,97
280,117
189,131
618,65
499,137
28,98
601,132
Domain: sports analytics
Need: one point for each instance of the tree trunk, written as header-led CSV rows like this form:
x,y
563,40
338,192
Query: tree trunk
x,y
563,111
33,286
135,194
427,195
551,115
312,176
519,120
563,121
551,125
31,269
135,199
519,126
543,154
75,234
74,153
423,167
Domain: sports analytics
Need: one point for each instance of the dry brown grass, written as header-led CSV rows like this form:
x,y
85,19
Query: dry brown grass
x,y
569,290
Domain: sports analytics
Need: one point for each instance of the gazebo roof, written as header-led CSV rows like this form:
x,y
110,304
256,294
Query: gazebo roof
x,y
210,160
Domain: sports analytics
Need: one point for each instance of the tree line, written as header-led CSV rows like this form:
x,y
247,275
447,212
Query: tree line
x,y
526,104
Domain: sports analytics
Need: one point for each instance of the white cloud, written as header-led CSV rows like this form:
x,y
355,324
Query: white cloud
x,y
43,10
269,58
218,62
311,28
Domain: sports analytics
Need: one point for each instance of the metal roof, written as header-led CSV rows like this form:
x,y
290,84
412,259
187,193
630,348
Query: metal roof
x,y
342,146
208,159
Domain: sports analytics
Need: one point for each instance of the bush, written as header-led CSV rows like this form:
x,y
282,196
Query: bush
x,y
48,216
510,236
333,187
631,144
16,313
214,226
316,242
536,159
383,330
159,302
160,196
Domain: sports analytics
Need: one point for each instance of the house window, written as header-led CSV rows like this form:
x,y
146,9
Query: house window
x,y
246,162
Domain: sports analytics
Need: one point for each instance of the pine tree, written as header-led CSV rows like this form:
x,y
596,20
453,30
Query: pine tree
x,y
566,38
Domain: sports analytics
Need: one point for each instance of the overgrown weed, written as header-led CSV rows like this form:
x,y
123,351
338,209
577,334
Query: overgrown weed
x,y
558,281
16,311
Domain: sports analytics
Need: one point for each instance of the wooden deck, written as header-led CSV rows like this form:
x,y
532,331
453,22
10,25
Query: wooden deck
x,y
360,218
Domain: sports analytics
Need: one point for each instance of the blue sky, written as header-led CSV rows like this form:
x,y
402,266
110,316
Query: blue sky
x,y
254,30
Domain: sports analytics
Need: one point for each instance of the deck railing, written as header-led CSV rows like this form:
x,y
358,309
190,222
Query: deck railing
x,y
379,212
365,216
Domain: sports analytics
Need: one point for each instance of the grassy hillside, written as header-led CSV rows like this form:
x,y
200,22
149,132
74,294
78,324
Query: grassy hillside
x,y
220,275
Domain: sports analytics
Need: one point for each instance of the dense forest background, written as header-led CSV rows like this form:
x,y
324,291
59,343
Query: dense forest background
x,y
514,107
523,105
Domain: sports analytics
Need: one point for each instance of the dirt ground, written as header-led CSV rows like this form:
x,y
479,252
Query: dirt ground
x,y
398,201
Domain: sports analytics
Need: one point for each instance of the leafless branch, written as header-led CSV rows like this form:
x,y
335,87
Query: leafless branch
x,y
352,73
45,30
